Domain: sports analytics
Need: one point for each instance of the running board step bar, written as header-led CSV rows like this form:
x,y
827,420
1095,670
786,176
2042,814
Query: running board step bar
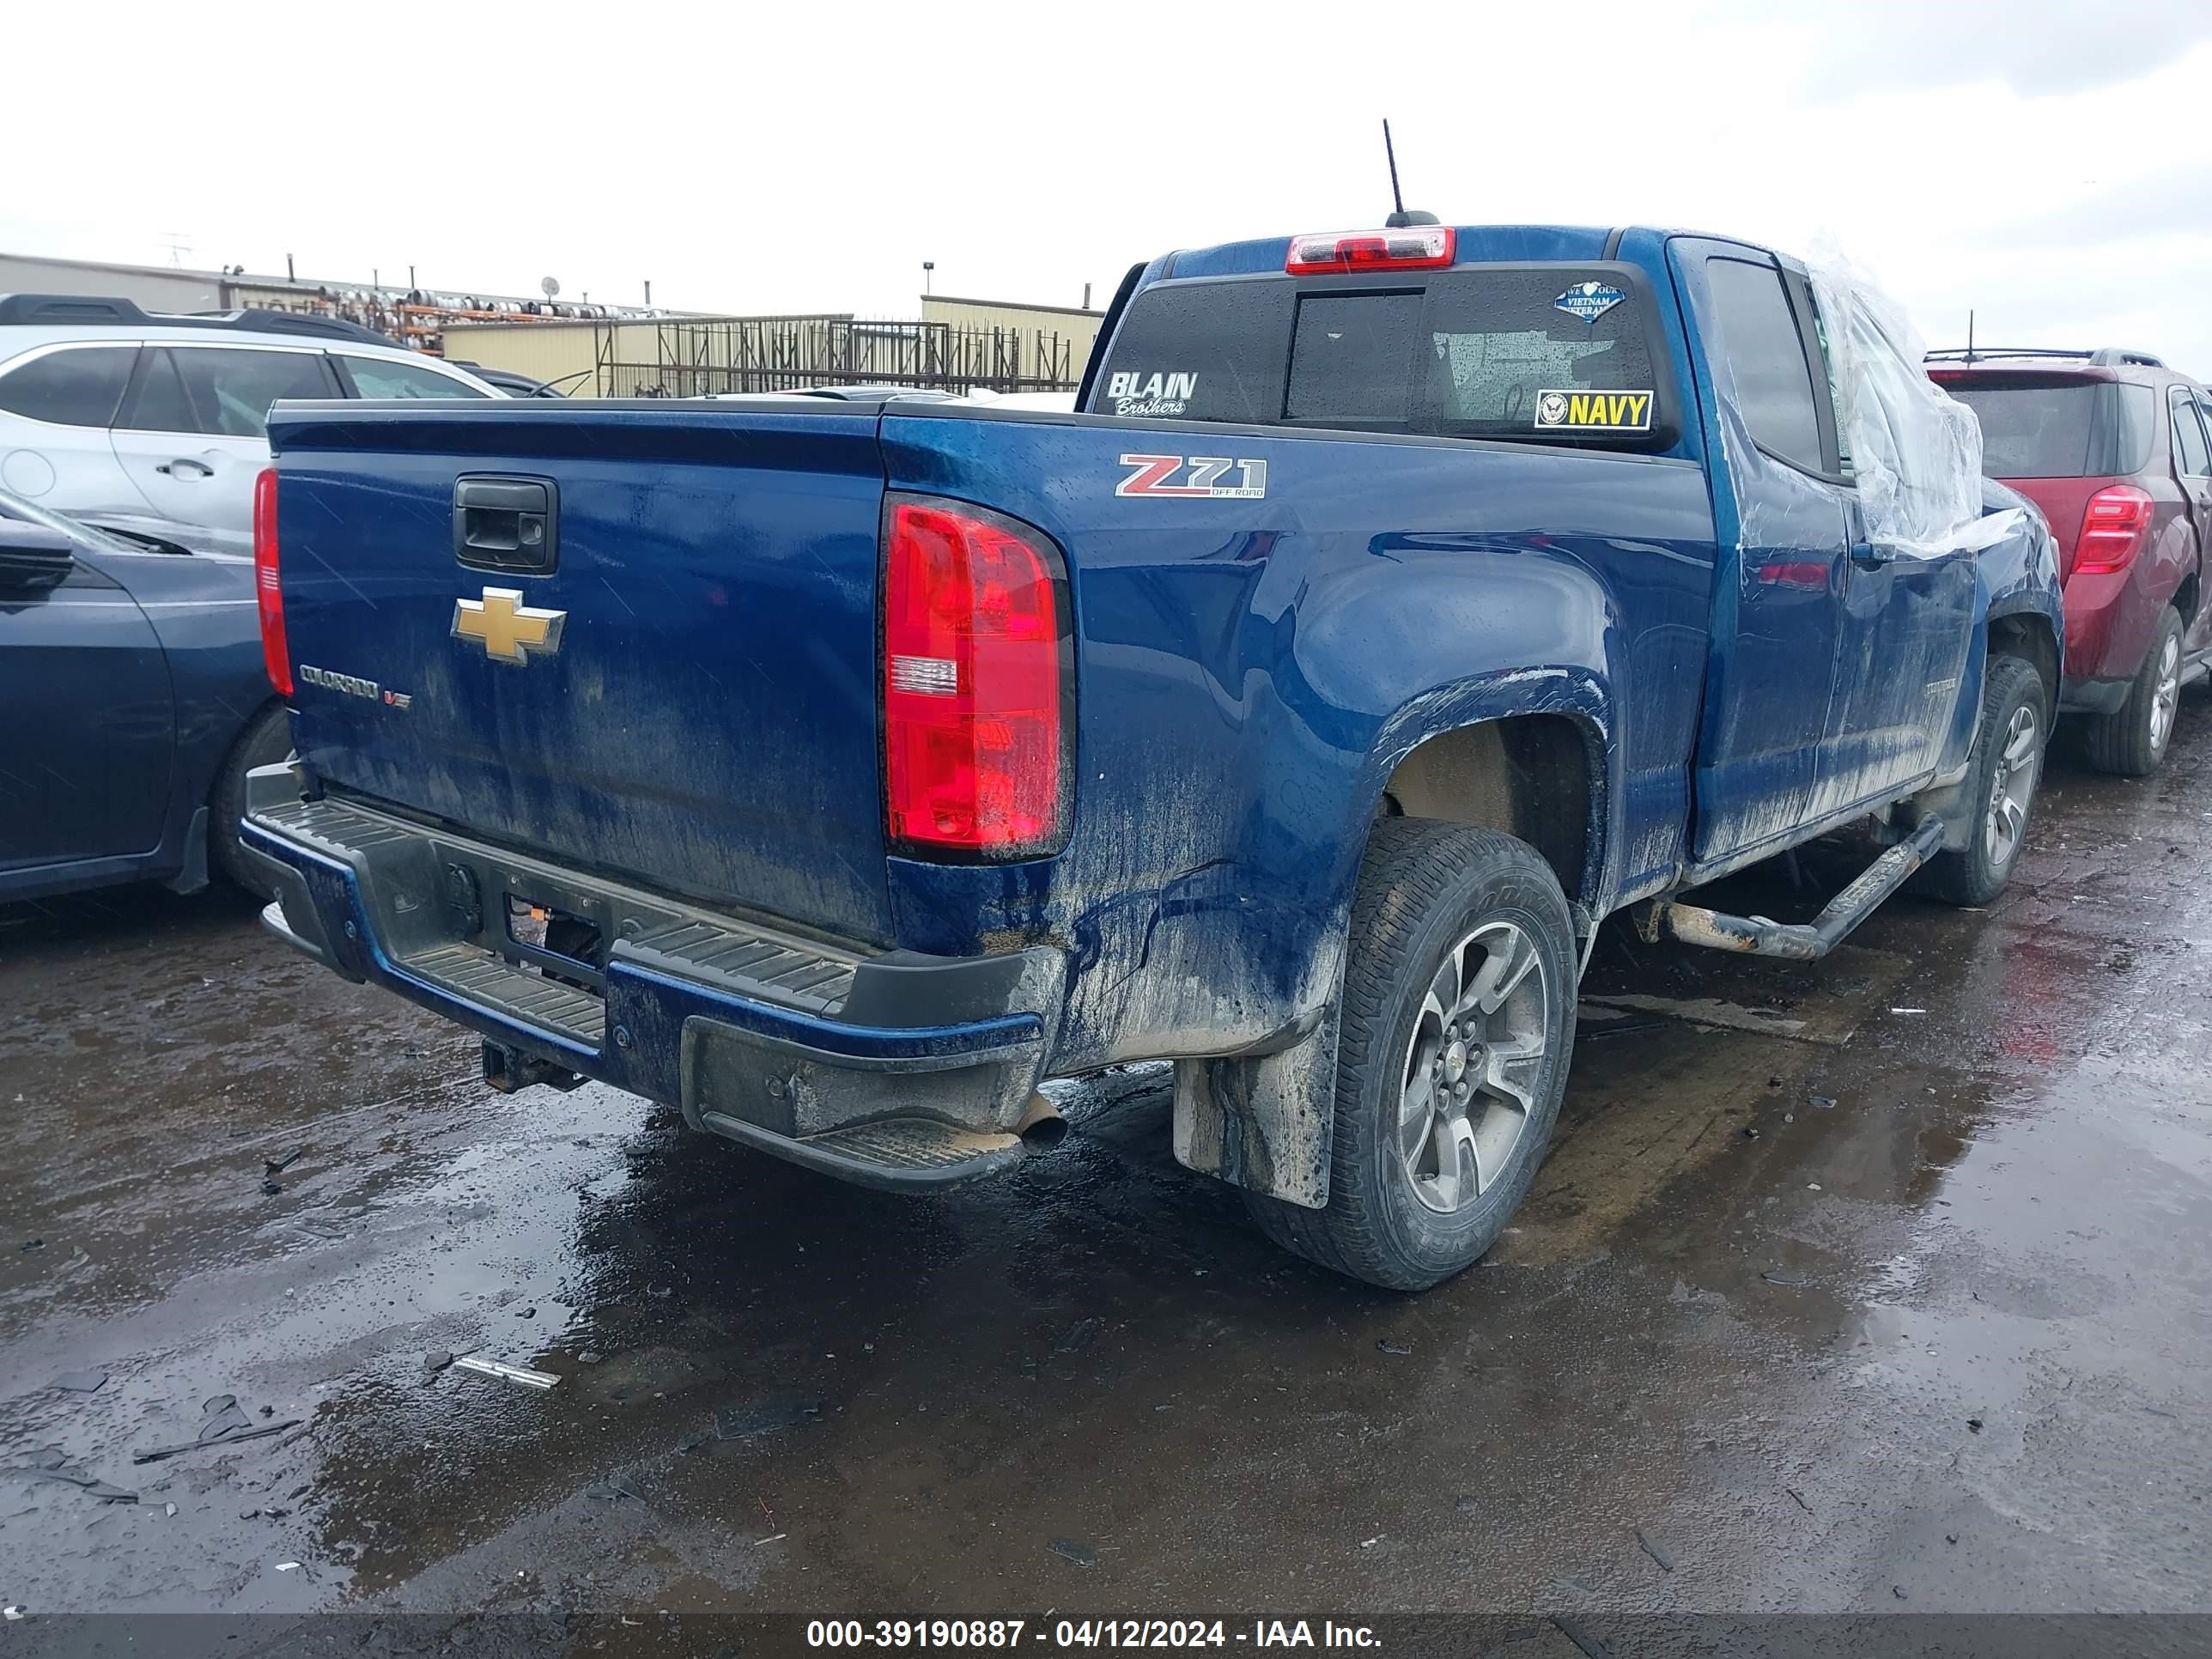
x,y
1801,941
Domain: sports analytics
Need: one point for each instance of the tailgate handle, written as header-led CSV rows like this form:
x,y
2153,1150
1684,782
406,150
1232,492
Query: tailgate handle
x,y
505,524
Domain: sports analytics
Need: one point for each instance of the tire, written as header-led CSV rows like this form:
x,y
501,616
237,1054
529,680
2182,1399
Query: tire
x,y
1437,905
2002,768
266,740
2131,741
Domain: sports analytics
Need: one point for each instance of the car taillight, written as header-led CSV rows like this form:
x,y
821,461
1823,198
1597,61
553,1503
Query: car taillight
x,y
975,752
2115,526
268,590
1419,248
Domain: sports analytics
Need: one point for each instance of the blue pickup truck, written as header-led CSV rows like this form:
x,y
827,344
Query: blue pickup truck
x,y
1397,607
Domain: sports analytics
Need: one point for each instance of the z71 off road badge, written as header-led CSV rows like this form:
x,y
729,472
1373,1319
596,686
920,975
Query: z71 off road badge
x,y
1594,411
508,630
1155,474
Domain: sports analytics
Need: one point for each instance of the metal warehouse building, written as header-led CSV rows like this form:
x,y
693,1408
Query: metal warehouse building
x,y
956,343
411,315
623,351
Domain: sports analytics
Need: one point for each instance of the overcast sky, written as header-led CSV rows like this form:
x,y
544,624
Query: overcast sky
x,y
2047,162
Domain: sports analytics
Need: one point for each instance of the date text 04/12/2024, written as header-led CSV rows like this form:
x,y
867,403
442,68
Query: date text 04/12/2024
x,y
1087,1633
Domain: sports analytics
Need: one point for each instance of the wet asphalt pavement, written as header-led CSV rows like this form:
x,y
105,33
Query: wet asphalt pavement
x,y
1889,1287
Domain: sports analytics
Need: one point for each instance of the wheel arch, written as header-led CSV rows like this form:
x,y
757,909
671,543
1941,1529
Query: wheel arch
x,y
1539,777
217,775
2030,635
2190,594
1508,744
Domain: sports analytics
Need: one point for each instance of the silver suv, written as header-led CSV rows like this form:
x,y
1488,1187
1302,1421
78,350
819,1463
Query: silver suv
x,y
104,407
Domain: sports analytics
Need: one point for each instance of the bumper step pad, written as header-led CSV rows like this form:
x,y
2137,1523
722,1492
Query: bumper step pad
x,y
725,955
749,964
897,1154
726,1019
476,974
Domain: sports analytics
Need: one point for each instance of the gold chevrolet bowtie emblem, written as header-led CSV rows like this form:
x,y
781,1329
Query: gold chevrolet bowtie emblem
x,y
508,630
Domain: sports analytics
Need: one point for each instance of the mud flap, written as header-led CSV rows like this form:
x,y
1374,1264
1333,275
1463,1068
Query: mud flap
x,y
194,875
1262,1122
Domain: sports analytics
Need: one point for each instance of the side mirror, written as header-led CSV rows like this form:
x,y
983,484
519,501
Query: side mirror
x,y
33,558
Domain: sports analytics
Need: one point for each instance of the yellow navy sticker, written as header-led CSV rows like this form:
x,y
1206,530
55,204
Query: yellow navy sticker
x,y
1594,411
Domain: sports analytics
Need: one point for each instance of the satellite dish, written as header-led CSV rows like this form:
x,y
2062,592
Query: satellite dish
x,y
549,287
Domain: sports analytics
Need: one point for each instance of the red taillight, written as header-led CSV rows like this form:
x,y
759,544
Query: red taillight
x,y
2115,526
1418,248
268,590
974,752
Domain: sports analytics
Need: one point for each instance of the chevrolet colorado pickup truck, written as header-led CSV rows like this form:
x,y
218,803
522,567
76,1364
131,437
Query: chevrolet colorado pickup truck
x,y
1395,606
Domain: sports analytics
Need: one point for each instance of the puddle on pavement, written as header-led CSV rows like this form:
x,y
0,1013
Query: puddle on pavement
x,y
1686,1325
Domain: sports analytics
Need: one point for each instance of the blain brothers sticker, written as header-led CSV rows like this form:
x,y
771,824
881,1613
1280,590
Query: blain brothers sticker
x,y
1135,392
1594,411
1156,475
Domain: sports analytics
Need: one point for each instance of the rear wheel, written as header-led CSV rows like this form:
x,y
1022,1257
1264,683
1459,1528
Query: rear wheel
x,y
1458,1024
266,740
2131,741
2003,766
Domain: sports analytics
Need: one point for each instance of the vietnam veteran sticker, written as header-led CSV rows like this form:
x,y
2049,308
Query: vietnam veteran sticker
x,y
1594,411
1589,301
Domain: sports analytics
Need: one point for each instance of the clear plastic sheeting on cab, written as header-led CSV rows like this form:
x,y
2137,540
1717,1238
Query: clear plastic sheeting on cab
x,y
1914,451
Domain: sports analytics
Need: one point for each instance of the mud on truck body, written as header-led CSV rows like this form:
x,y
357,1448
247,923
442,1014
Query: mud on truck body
x,y
1399,605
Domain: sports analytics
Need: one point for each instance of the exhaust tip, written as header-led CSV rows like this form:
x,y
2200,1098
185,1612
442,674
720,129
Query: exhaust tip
x,y
1045,1134
1041,1127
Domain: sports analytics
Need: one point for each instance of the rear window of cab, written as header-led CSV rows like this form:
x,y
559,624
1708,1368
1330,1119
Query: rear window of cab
x,y
1540,353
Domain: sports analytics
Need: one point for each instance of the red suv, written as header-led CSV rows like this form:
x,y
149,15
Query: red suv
x,y
2116,448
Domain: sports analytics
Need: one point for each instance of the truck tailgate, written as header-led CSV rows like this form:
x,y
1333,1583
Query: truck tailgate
x,y
701,720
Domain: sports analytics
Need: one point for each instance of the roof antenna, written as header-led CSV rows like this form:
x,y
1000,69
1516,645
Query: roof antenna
x,y
1970,334
1400,218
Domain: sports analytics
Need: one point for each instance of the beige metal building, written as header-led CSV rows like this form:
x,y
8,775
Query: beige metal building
x,y
1079,327
623,351
955,343
567,353
582,357
412,315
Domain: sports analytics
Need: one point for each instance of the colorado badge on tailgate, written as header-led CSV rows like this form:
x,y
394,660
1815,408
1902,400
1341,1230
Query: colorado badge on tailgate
x,y
1594,411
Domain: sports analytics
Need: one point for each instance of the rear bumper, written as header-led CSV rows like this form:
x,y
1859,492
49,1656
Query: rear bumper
x,y
2111,617
783,1043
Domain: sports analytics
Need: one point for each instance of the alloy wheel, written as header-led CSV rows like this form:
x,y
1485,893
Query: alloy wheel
x,y
2165,695
1472,1065
2014,789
